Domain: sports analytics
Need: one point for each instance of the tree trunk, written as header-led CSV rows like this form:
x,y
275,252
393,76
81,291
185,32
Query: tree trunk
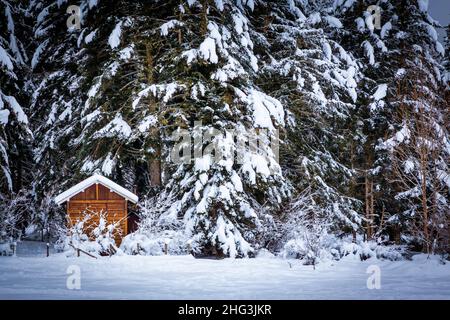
x,y
155,163
155,172
180,18
204,18
425,207
397,235
369,205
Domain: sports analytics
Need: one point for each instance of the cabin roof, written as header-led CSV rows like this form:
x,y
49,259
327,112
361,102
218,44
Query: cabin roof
x,y
96,178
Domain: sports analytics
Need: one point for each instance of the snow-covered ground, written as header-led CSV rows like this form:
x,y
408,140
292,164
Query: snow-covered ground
x,y
183,277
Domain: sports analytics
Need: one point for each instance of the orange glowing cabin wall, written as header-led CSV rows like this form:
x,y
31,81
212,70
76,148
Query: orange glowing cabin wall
x,y
98,198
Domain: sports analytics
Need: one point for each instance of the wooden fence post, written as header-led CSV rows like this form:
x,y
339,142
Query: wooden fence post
x,y
48,249
165,248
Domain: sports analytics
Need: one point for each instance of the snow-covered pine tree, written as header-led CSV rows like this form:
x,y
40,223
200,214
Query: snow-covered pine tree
x,y
316,79
85,72
420,158
367,34
114,132
205,83
418,140
86,89
56,66
391,38
15,134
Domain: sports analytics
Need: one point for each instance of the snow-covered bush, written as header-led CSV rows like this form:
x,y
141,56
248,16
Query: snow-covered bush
x,y
154,245
12,212
308,237
306,228
264,253
152,237
334,248
89,235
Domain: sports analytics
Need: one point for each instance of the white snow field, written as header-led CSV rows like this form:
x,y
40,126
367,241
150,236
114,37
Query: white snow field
x,y
184,277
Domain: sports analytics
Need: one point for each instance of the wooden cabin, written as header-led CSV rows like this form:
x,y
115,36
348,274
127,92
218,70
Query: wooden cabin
x,y
99,195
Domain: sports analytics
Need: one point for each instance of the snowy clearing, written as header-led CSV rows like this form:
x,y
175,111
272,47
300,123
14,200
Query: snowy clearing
x,y
183,277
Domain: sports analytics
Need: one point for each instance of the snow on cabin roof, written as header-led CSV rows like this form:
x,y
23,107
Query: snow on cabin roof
x,y
96,178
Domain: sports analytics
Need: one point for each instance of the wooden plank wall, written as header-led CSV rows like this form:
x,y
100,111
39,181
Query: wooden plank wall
x,y
98,198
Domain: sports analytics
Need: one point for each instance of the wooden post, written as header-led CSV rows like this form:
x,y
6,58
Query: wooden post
x,y
166,247
48,249
138,248
78,252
